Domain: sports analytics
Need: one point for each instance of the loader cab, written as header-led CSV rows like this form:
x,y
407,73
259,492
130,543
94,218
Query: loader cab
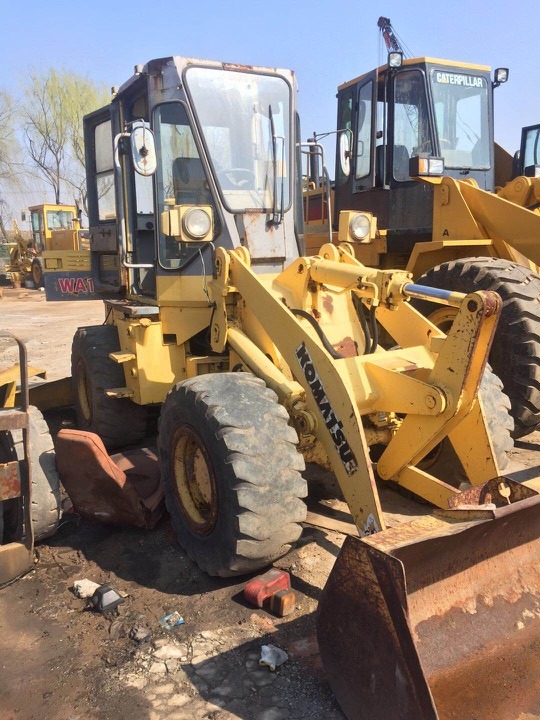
x,y
424,107
527,161
47,218
222,139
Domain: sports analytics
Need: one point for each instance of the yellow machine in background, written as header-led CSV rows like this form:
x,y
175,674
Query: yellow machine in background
x,y
416,187
55,228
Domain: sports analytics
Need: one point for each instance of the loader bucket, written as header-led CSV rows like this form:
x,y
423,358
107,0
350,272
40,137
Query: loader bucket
x,y
438,618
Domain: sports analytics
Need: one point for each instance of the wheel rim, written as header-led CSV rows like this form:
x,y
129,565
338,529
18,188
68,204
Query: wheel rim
x,y
443,317
83,395
36,273
194,481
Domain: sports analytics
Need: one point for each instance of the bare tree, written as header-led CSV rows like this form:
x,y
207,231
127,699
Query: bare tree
x,y
46,128
82,96
55,103
10,163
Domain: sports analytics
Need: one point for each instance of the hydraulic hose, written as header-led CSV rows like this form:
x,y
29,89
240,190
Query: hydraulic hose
x,y
315,325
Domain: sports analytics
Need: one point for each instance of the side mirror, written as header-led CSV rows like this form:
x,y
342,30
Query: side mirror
x,y
23,215
143,149
345,153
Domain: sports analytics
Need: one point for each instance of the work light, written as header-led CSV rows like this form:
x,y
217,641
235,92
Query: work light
x,y
197,223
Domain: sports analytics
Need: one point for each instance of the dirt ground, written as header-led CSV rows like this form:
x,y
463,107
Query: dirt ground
x,y
60,661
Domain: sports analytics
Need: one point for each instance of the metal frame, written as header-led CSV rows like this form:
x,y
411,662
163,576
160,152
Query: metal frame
x,y
17,558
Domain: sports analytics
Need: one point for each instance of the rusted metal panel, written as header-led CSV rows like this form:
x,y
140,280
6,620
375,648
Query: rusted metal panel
x,y
10,480
446,627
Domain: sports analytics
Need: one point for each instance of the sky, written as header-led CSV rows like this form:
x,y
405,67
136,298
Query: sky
x,y
325,43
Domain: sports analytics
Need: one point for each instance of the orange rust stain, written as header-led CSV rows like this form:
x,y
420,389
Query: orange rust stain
x,y
10,483
328,304
346,347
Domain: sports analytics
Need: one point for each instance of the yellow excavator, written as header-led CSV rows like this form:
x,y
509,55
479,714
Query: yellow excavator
x,y
257,353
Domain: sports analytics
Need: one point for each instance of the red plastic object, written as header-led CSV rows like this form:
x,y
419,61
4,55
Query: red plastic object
x,y
256,591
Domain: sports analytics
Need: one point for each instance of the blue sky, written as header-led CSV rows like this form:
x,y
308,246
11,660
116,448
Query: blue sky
x,y
324,45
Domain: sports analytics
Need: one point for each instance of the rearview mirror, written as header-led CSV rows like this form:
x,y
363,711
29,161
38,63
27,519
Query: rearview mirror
x,y
143,149
345,153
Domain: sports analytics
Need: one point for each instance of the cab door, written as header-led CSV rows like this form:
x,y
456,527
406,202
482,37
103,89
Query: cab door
x,y
365,134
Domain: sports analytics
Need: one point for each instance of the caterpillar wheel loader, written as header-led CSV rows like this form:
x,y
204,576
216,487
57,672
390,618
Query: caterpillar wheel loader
x,y
256,354
415,150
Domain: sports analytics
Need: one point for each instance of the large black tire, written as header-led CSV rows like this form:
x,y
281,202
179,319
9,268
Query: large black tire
x,y
118,421
515,355
46,507
225,442
445,464
37,273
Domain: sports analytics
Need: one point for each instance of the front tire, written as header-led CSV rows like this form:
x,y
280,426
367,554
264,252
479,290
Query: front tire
x,y
231,472
37,274
443,462
45,481
118,421
515,354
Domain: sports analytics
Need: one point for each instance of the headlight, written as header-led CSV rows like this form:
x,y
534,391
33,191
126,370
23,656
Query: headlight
x,y
360,226
501,75
197,223
395,59
420,166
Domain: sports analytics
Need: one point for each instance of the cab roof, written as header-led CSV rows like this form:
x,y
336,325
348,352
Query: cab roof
x,y
419,61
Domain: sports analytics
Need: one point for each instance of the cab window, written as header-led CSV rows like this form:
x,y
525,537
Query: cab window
x,y
180,177
104,171
345,107
461,116
411,122
363,131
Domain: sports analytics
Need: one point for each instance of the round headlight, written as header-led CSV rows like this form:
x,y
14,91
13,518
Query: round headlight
x,y
360,226
197,223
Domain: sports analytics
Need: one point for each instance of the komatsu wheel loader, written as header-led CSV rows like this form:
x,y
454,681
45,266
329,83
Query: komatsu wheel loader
x,y
55,229
257,353
415,150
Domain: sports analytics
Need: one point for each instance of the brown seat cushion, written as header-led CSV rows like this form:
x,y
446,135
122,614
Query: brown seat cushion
x,y
121,489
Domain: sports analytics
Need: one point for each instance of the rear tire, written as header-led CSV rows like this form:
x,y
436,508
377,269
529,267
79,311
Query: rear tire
x,y
118,421
37,274
46,507
515,354
231,472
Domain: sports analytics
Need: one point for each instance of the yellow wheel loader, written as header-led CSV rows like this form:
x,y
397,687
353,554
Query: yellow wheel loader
x,y
415,150
256,354
57,244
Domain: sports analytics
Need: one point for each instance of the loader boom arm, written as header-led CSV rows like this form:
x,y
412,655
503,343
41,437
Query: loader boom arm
x,y
327,396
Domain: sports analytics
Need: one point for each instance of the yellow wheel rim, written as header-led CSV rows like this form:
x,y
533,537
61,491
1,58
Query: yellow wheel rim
x,y
36,273
443,317
194,481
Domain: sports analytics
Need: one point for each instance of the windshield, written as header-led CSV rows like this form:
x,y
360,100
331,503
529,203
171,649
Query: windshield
x,y
461,114
59,220
245,122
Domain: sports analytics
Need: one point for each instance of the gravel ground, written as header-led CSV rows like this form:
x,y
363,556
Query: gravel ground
x,y
60,661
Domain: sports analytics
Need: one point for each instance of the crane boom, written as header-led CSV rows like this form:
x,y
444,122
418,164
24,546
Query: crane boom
x,y
387,31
